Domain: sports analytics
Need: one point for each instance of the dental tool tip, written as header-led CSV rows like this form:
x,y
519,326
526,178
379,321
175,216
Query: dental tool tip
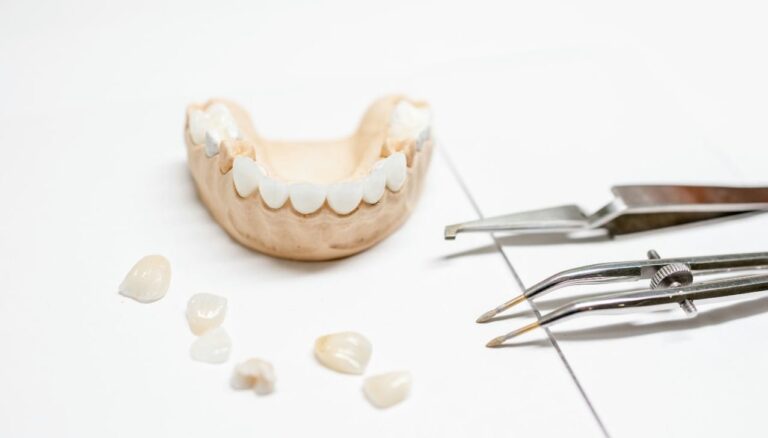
x,y
485,317
496,342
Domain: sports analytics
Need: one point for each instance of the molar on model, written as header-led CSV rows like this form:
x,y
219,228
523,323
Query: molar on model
x,y
211,126
345,195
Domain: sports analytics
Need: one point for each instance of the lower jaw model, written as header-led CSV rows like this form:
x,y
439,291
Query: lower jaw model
x,y
310,200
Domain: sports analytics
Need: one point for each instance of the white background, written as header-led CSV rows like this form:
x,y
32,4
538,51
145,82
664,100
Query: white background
x,y
536,104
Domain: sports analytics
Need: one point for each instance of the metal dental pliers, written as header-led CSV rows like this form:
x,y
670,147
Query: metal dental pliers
x,y
671,285
634,208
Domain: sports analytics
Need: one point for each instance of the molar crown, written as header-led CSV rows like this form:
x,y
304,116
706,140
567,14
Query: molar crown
x,y
255,374
410,122
345,352
211,126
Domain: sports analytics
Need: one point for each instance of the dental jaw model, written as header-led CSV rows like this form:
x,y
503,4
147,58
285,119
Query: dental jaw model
x,y
316,200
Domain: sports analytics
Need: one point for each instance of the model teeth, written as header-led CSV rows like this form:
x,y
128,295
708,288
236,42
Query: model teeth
x,y
274,193
307,198
212,126
198,123
254,374
395,167
212,347
389,389
345,352
374,185
423,137
215,127
205,312
344,197
148,279
246,174
212,142
408,122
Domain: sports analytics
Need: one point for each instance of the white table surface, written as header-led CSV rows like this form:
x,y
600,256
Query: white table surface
x,y
536,105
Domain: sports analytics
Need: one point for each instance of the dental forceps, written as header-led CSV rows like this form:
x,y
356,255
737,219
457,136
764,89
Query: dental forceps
x,y
634,208
671,286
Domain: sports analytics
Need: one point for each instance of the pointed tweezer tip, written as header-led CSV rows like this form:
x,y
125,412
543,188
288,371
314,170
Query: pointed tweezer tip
x,y
487,316
498,341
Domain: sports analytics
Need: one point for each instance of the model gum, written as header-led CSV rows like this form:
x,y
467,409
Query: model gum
x,y
345,352
310,200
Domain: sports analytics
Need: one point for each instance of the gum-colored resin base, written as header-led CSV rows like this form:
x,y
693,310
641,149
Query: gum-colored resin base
x,y
324,234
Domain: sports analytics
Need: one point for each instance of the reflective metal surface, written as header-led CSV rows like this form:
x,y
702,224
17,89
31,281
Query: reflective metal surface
x,y
633,209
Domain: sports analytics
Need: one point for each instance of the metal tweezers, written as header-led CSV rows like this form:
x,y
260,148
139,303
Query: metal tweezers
x,y
671,285
634,208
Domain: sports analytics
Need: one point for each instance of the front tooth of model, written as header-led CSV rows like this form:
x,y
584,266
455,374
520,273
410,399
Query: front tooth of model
x,y
198,123
395,167
407,121
375,184
273,192
212,347
246,174
385,390
205,312
254,374
306,198
148,280
212,141
345,352
344,197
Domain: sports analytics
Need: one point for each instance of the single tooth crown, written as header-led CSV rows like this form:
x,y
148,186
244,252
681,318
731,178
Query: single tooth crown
x,y
198,122
212,347
212,140
345,352
274,193
343,198
395,166
255,374
374,185
148,280
205,312
386,390
307,198
246,175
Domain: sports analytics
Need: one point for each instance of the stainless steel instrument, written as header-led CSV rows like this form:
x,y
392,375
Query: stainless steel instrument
x,y
671,284
634,208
